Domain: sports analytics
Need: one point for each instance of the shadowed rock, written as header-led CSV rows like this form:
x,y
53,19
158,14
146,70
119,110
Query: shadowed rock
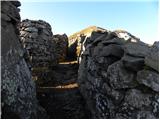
x,y
17,88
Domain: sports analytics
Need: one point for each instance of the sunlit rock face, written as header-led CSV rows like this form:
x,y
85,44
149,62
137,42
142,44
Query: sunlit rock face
x,y
118,76
18,93
75,41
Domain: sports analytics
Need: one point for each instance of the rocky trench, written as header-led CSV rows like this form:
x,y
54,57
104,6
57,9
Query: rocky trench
x,y
95,73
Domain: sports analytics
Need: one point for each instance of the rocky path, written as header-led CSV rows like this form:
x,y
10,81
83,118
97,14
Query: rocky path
x,y
63,100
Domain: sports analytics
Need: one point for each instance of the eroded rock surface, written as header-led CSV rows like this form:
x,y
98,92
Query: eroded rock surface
x,y
17,88
117,77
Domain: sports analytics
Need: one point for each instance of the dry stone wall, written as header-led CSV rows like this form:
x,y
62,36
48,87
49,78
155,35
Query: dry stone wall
x,y
37,39
118,76
18,93
61,42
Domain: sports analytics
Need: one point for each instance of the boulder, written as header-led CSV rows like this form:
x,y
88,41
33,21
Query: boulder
x,y
133,63
18,92
137,105
119,77
111,80
152,58
138,49
149,79
112,50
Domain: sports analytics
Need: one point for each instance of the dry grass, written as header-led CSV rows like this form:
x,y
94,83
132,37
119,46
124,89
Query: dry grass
x,y
68,86
69,62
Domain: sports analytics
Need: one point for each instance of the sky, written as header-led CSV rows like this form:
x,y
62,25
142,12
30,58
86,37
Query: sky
x,y
138,17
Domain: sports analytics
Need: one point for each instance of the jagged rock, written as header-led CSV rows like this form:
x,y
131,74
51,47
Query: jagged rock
x,y
136,105
149,79
152,59
137,49
18,93
119,77
61,42
112,50
118,41
77,40
133,63
110,77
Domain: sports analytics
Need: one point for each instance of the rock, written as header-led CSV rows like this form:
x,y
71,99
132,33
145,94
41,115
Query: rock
x,y
31,29
137,99
136,105
41,47
18,91
61,42
137,49
119,77
133,63
149,79
152,59
118,41
77,40
41,53
112,50
109,80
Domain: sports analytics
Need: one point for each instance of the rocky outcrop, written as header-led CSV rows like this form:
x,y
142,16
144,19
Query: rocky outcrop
x,y
118,76
75,42
37,39
17,88
61,42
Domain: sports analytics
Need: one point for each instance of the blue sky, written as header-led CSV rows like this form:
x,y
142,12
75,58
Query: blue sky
x,y
138,18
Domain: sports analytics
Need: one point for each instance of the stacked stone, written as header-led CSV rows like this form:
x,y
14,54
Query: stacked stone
x,y
36,37
61,42
118,76
18,93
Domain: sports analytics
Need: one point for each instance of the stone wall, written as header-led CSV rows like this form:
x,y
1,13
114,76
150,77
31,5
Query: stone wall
x,y
18,93
36,37
41,55
61,42
118,76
